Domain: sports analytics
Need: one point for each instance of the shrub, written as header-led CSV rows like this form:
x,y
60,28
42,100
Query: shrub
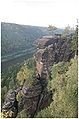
x,y
65,98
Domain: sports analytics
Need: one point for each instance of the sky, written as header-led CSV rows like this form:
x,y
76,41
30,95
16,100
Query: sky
x,y
58,13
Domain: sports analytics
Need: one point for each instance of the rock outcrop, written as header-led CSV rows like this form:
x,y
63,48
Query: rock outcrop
x,y
52,50
36,97
33,98
10,107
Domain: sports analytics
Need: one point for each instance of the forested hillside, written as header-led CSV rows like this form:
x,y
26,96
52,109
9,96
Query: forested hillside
x,y
17,40
64,84
46,83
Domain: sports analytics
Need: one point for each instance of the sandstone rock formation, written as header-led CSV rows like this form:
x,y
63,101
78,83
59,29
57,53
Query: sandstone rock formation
x,y
34,98
10,107
52,50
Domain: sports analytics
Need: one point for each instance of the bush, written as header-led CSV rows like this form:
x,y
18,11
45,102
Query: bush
x,y
22,114
65,98
25,73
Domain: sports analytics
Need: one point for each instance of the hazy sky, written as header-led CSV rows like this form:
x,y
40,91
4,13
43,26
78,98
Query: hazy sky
x,y
40,12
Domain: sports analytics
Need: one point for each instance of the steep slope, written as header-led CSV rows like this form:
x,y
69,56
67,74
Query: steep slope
x,y
52,50
34,89
18,40
19,37
64,83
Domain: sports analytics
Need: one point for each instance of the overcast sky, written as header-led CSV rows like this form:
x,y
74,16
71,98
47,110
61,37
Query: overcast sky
x,y
40,12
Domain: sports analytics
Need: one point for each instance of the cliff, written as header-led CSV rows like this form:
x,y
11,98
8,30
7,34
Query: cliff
x,y
52,50
35,97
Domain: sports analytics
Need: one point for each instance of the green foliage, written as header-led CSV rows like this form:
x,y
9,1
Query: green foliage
x,y
50,27
16,38
11,84
22,114
8,81
3,93
19,39
19,96
74,42
26,72
15,76
66,30
9,76
45,113
60,68
65,98
30,63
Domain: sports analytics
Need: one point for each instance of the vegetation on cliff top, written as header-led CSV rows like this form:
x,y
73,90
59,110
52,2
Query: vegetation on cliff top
x,y
65,85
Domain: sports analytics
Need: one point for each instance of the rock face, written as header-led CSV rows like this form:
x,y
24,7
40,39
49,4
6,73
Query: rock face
x,y
36,97
33,99
52,50
10,107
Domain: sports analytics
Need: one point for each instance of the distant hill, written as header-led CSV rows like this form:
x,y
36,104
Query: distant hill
x,y
17,39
